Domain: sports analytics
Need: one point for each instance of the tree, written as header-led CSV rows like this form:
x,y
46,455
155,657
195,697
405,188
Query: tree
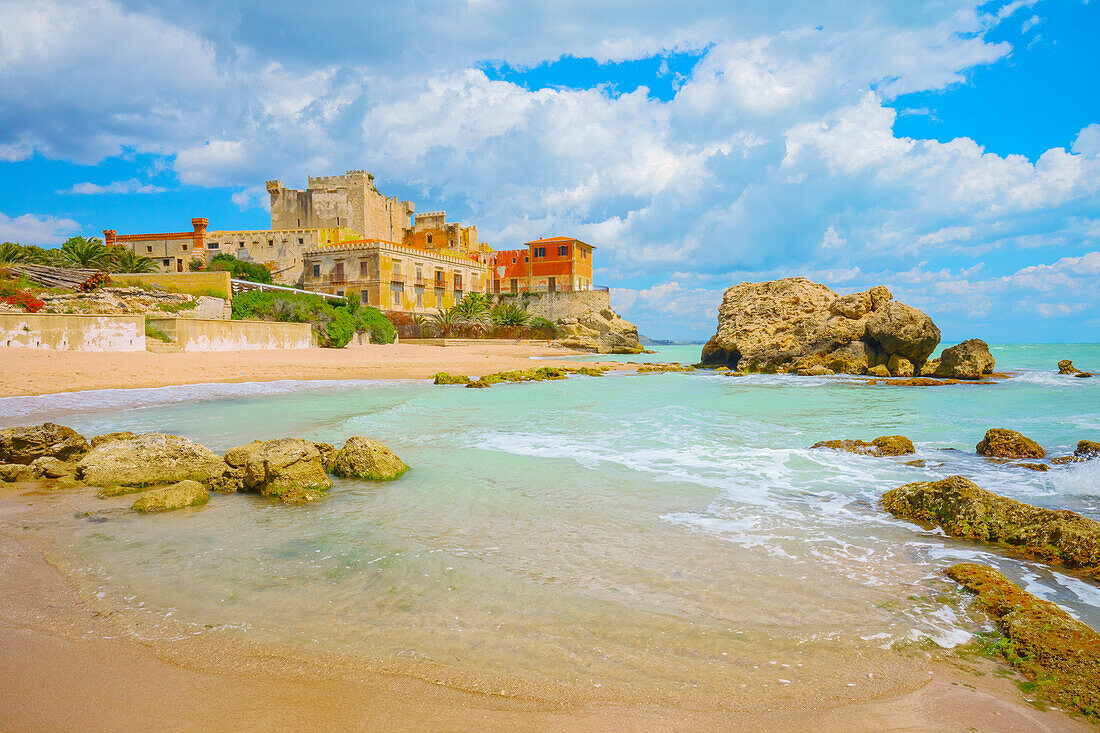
x,y
196,264
11,253
473,312
84,252
510,315
124,260
241,269
446,319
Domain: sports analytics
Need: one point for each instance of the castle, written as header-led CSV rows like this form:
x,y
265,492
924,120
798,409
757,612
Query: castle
x,y
341,236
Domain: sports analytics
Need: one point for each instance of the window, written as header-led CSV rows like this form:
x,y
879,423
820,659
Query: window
x,y
458,281
338,273
396,291
364,267
212,245
240,245
150,247
515,285
271,243
584,254
340,293
299,225
439,278
419,297
301,241
540,251
429,239
563,250
527,259
183,247
167,263
397,269
419,275
317,271
513,260
364,298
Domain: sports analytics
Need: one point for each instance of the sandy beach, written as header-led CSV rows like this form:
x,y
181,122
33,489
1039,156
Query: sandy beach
x,y
35,372
68,665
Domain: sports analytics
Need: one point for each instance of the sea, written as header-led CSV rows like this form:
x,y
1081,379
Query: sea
x,y
638,537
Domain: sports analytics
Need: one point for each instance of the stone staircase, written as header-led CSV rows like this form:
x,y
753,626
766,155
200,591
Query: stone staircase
x,y
162,347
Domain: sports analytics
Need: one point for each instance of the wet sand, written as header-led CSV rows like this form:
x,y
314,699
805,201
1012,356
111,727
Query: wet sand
x,y
67,662
39,371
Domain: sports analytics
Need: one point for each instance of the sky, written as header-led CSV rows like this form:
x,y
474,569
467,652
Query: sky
x,y
947,149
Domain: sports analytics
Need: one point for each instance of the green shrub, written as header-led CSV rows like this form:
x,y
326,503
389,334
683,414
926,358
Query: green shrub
x,y
241,269
334,322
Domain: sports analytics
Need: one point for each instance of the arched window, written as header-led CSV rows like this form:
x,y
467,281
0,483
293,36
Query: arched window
x,y
429,239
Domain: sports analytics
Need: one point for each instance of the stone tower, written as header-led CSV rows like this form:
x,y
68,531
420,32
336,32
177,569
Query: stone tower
x,y
350,201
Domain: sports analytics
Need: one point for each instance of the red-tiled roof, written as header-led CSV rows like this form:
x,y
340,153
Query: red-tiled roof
x,y
560,239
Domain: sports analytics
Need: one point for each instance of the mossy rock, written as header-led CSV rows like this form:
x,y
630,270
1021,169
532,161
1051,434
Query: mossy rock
x,y
445,378
660,368
168,498
1002,443
963,509
880,371
1044,642
301,497
539,374
884,445
364,458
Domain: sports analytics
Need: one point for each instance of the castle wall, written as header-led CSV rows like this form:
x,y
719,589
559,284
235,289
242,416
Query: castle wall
x,y
350,201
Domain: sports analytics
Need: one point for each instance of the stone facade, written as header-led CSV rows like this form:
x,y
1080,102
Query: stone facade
x,y
433,231
394,277
332,202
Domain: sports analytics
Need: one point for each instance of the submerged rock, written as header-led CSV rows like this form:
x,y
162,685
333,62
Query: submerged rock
x,y
23,445
149,459
539,374
275,466
1044,642
793,324
1002,443
367,459
884,445
176,496
300,497
969,360
963,509
1086,451
661,368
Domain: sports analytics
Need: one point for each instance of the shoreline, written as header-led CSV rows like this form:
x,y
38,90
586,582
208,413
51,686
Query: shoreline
x,y
69,663
36,372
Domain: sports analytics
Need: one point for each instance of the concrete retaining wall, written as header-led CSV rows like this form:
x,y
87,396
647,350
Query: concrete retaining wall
x,y
197,334
214,283
73,332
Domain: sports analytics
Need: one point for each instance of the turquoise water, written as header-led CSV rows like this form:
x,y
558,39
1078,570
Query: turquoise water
x,y
667,533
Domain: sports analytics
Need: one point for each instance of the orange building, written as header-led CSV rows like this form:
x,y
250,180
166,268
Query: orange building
x,y
555,264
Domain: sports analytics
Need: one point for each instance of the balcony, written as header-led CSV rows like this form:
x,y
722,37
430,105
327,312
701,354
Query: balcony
x,y
398,278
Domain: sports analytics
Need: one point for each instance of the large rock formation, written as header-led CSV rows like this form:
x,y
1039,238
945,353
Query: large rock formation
x,y
149,459
585,321
279,466
793,325
966,510
969,360
23,445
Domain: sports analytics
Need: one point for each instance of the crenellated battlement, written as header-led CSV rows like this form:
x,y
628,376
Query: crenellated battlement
x,y
431,215
348,179
274,186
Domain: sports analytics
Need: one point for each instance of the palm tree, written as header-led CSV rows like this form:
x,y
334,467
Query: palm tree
x,y
510,315
474,311
124,260
81,252
446,319
11,253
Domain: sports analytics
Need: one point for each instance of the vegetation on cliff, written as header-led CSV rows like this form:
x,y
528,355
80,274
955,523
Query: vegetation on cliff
x,y
333,323
240,269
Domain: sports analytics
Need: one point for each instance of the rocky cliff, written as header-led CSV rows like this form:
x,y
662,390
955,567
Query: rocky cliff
x,y
585,321
794,325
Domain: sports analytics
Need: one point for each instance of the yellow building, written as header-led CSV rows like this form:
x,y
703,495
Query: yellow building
x,y
394,277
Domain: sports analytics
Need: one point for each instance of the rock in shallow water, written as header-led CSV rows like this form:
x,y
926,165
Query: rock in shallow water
x,y
1044,642
963,509
275,466
884,445
1002,443
152,458
969,360
23,445
176,496
367,459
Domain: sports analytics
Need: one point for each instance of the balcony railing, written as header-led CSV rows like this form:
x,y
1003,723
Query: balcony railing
x,y
397,277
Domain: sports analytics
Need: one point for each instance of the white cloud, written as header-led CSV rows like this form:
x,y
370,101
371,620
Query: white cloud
x,y
132,185
36,229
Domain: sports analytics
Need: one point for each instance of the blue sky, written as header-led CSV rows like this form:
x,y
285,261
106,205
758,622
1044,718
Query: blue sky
x,y
947,149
